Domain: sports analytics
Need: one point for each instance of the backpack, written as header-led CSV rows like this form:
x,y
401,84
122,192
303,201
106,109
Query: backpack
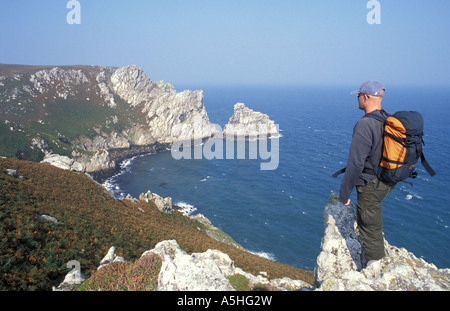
x,y
402,147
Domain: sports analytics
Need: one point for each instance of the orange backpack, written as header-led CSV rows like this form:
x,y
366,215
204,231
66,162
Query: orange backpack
x,y
402,147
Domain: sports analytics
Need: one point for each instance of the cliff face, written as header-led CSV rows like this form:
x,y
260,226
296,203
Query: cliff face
x,y
341,265
165,109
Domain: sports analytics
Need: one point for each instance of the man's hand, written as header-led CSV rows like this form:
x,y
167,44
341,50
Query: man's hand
x,y
348,203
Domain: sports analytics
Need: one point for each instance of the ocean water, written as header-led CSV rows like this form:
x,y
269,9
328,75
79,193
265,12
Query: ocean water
x,y
278,213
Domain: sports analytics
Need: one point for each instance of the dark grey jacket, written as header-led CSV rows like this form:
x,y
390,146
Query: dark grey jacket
x,y
364,155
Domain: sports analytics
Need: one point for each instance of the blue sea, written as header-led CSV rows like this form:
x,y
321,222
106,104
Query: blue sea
x,y
278,213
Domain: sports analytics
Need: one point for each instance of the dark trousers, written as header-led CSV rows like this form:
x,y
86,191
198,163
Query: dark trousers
x,y
370,218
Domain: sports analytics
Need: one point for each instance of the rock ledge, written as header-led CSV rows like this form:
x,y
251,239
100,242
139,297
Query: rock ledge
x,y
341,265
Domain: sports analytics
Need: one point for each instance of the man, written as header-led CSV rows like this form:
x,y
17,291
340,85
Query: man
x,y
364,157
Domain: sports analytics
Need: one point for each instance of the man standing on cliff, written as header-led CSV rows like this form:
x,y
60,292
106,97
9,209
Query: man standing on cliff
x,y
364,157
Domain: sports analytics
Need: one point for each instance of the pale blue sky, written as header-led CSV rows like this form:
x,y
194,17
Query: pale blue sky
x,y
244,41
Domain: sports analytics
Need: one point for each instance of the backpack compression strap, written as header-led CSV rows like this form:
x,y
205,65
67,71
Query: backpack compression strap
x,y
426,165
341,171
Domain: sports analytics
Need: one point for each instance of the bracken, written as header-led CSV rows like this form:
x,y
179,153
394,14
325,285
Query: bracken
x,y
34,252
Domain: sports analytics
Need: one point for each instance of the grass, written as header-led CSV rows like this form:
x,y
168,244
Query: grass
x,y
83,113
34,252
239,282
16,143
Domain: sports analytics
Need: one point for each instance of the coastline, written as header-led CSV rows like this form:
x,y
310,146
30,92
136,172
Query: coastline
x,y
120,155
124,157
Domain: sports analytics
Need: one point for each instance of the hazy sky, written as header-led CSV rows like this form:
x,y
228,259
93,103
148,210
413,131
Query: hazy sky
x,y
243,41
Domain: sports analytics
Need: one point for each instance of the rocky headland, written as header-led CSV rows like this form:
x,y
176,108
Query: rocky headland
x,y
162,110
91,118
165,109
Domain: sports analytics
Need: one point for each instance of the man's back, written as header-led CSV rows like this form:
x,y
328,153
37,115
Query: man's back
x,y
365,153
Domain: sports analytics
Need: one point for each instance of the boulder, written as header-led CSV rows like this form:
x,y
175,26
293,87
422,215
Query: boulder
x,y
49,218
12,172
73,279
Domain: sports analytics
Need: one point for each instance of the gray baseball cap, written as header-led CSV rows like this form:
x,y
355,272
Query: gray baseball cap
x,y
371,87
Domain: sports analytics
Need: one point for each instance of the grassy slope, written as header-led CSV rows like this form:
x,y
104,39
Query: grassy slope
x,y
83,113
34,252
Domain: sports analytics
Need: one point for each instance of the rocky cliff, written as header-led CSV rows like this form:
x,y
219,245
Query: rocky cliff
x,y
75,116
90,118
341,265
170,115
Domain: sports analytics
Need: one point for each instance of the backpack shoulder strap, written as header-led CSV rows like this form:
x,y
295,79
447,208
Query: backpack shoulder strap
x,y
377,117
369,115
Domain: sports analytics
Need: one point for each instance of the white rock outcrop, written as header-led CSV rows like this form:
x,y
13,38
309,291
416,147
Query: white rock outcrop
x,y
63,162
12,172
197,272
206,271
100,160
44,78
341,265
246,123
171,115
132,85
71,281
105,91
163,204
110,257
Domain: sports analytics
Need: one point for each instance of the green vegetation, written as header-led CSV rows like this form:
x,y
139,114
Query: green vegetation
x,y
60,115
34,252
71,119
239,282
16,144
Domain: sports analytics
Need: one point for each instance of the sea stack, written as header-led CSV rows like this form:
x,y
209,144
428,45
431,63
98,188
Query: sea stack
x,y
248,124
